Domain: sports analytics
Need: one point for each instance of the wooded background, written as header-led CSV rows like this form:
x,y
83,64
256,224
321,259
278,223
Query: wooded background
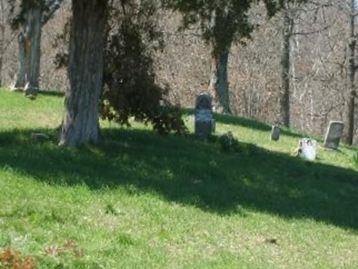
x,y
320,39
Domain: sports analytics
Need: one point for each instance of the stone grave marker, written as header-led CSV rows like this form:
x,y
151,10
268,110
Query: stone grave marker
x,y
275,133
333,135
204,121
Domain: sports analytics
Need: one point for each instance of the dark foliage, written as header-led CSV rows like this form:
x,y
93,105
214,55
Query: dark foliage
x,y
130,89
221,22
19,9
228,143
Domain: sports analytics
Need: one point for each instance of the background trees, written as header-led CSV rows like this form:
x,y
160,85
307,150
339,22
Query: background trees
x,y
319,63
29,18
221,24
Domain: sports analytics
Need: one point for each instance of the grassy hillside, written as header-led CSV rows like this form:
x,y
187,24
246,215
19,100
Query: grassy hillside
x,y
144,201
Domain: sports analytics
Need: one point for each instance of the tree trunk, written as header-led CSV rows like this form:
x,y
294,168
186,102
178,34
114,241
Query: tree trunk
x,y
81,122
32,50
2,37
20,79
219,83
351,76
285,69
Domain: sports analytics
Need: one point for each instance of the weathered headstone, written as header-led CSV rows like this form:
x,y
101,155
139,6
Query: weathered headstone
x,y
275,133
334,134
204,121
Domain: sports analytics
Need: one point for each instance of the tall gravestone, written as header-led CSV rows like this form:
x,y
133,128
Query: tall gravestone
x,y
333,135
204,121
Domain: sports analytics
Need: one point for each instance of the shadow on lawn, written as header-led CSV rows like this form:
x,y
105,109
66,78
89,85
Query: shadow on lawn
x,y
44,93
245,122
191,172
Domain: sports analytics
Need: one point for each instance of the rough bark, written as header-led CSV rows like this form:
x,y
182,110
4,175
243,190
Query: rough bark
x,y
285,69
219,83
81,122
351,77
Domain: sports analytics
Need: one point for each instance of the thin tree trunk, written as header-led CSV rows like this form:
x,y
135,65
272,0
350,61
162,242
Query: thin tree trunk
x,y
2,38
351,76
219,81
285,70
30,47
81,122
33,50
20,78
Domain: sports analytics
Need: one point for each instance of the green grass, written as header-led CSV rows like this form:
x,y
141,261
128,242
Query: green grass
x,y
140,200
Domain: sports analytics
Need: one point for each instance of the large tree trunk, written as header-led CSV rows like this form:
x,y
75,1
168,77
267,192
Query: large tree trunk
x,y
33,50
219,83
351,76
20,78
81,122
285,69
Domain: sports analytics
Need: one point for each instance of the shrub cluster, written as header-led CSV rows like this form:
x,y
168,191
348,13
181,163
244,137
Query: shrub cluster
x,y
130,88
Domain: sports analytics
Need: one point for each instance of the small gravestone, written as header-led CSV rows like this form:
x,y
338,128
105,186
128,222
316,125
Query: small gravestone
x,y
333,135
307,149
204,121
275,133
39,137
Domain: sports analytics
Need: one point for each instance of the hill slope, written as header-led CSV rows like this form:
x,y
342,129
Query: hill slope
x,y
144,201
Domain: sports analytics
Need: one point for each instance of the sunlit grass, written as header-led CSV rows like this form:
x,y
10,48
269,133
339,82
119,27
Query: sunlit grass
x,y
140,200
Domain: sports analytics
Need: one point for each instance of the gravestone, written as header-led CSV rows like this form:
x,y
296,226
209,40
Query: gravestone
x,y
334,134
204,121
275,133
307,149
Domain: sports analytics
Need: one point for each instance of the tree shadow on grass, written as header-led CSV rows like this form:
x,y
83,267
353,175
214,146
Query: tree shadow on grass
x,y
42,92
52,93
245,122
192,172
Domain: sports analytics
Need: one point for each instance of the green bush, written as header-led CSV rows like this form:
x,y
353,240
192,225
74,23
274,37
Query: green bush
x,y
355,159
229,143
130,87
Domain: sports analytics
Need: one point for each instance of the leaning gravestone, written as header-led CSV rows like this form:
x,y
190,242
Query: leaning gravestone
x,y
333,135
204,121
275,133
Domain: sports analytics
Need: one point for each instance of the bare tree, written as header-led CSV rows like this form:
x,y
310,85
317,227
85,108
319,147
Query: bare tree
x,y
3,16
351,72
31,20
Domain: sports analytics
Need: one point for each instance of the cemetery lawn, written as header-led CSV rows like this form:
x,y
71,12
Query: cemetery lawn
x,y
140,200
